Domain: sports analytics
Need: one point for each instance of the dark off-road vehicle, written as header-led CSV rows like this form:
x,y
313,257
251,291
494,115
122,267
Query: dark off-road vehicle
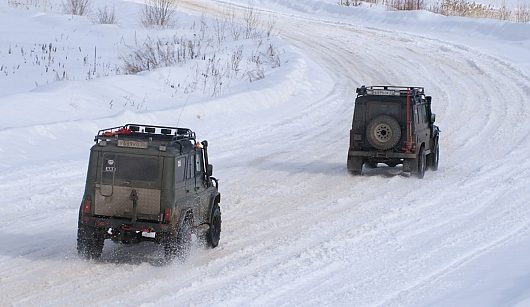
x,y
393,125
148,183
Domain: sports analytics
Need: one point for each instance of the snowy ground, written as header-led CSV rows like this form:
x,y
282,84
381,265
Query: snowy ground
x,y
297,229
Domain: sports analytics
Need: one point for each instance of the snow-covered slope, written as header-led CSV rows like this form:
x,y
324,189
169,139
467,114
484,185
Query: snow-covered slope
x,y
297,229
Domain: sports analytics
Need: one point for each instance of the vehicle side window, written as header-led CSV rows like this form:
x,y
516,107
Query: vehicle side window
x,y
189,170
180,167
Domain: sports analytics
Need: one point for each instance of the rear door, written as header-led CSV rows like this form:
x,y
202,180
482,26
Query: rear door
x,y
119,175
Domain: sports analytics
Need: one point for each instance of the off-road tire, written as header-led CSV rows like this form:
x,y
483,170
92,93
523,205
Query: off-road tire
x,y
410,165
434,157
383,132
213,234
177,244
355,165
90,242
422,163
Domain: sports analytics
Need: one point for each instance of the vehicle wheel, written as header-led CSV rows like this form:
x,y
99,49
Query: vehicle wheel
x,y
421,163
355,165
214,233
177,244
372,164
89,242
410,165
434,157
383,132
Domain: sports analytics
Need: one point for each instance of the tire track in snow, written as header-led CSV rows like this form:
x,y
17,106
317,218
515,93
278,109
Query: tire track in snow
x,y
296,226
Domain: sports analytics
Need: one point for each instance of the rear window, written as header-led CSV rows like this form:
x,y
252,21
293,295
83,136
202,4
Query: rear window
x,y
130,168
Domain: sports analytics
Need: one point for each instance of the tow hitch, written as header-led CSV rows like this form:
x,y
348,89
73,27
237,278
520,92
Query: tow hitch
x,y
127,234
134,198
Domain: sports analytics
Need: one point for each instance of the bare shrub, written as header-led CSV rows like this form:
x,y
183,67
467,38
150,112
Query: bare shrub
x,y
151,54
251,21
234,27
271,25
220,28
407,5
273,56
462,8
105,16
28,3
466,9
158,12
76,7
204,49
235,60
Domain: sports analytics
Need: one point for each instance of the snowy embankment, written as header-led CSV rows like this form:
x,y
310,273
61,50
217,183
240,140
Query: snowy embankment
x,y
63,76
296,227
506,40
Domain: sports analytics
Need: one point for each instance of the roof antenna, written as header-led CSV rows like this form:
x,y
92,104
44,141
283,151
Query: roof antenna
x,y
183,107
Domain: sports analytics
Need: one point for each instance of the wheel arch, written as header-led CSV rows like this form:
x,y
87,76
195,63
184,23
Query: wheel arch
x,y
215,199
185,214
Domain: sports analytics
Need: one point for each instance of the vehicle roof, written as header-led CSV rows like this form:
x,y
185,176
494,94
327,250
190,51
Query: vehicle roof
x,y
390,90
145,139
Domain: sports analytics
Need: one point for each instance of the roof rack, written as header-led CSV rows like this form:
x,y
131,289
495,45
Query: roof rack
x,y
139,131
389,90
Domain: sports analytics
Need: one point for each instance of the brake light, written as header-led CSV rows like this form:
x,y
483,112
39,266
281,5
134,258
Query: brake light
x,y
86,206
167,215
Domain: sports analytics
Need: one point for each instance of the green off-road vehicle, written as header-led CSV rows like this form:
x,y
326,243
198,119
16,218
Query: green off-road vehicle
x,y
148,183
393,125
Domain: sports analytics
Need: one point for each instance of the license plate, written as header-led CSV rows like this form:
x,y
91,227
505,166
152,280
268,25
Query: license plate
x,y
132,144
149,234
383,92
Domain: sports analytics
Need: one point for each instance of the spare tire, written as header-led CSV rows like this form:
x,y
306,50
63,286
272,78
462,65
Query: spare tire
x,y
383,132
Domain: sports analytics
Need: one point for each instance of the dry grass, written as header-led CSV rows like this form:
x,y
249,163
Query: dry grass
x,y
461,8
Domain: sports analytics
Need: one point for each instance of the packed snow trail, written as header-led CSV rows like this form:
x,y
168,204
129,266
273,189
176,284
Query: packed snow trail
x,y
297,228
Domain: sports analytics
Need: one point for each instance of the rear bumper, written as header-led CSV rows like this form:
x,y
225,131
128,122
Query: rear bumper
x,y
381,154
105,223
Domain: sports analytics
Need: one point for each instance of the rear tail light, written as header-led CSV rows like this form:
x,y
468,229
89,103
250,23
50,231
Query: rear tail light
x,y
87,206
167,215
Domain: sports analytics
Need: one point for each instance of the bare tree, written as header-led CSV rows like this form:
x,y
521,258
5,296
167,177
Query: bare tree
x,y
522,13
158,12
76,7
504,12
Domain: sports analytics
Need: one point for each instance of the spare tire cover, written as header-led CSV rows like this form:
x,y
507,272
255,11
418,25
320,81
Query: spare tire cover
x,y
383,132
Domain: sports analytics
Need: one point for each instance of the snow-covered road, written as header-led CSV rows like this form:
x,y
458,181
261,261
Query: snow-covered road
x,y
297,228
